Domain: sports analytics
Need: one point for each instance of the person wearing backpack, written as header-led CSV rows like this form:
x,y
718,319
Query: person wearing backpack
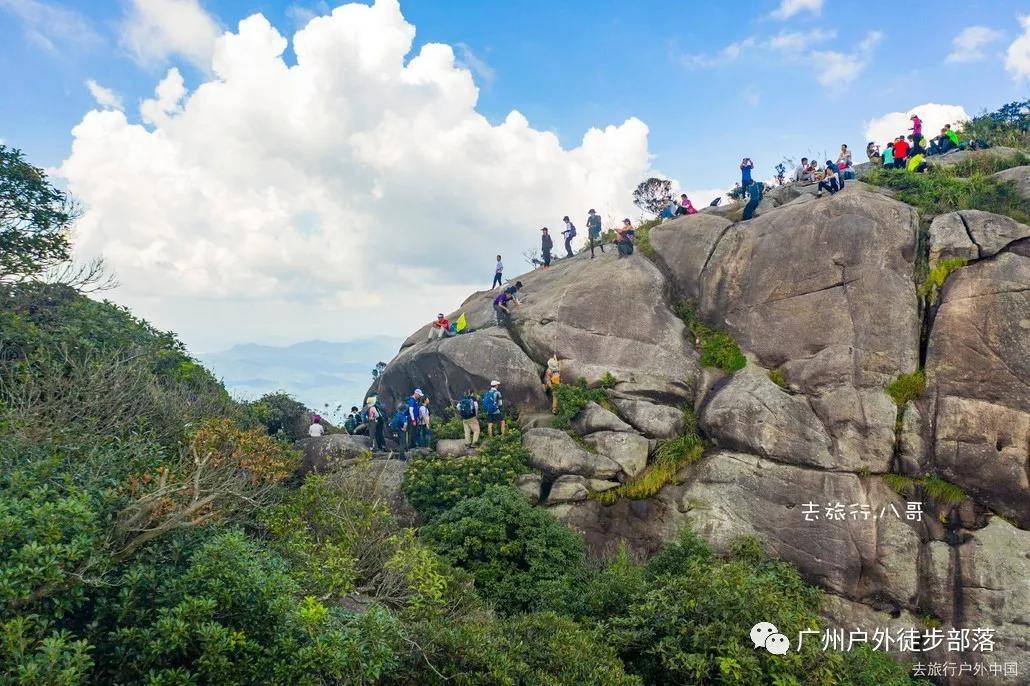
x,y
493,406
569,233
352,421
594,231
468,410
414,404
375,417
399,427
545,247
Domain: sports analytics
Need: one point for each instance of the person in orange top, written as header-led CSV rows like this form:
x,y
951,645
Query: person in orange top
x,y
900,152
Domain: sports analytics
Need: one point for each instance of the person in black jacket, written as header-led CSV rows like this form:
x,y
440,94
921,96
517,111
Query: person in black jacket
x,y
545,247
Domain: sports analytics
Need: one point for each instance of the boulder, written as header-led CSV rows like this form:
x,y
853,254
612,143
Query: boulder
x,y
324,453
628,450
685,245
977,368
593,418
444,369
452,447
651,419
582,311
380,478
752,414
1020,176
554,453
569,488
972,234
530,485
729,495
824,291
982,583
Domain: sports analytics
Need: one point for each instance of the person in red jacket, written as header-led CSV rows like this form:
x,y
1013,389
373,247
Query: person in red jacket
x,y
900,152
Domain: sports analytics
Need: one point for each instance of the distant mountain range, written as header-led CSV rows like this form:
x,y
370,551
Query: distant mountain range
x,y
320,374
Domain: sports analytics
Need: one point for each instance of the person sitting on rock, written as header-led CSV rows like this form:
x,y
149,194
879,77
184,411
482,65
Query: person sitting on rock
x,y
916,163
594,231
916,146
440,327
468,410
831,179
503,304
316,429
493,405
624,238
545,247
952,136
801,173
685,206
552,377
872,151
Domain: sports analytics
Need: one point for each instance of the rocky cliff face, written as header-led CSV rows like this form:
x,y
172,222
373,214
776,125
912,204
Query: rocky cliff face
x,y
823,299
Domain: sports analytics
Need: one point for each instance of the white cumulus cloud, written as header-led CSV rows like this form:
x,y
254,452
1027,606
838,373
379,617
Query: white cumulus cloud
x,y
1017,57
105,97
357,190
836,70
153,30
969,44
788,8
934,116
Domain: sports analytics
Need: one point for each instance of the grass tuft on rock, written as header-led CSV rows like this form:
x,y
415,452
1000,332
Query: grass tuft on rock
x,y
776,376
906,387
943,492
935,278
574,397
717,348
900,484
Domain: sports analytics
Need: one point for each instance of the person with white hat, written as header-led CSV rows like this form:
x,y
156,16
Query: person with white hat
x,y
493,407
414,403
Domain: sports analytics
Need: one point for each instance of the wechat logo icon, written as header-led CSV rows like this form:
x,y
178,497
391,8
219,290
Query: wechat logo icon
x,y
765,635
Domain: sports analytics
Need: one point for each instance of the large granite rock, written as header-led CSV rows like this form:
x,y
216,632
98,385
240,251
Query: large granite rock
x,y
593,418
568,488
685,245
978,372
651,419
325,453
554,453
984,582
444,369
629,450
1020,176
824,291
950,159
752,414
972,234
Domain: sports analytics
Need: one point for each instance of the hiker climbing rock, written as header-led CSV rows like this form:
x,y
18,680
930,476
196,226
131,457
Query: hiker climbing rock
x,y
493,406
503,304
552,377
569,232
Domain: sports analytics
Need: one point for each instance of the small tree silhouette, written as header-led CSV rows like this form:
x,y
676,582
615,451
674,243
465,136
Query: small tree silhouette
x,y
652,195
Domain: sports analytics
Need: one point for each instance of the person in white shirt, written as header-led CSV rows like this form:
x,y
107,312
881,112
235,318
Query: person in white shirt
x,y
498,273
801,174
316,429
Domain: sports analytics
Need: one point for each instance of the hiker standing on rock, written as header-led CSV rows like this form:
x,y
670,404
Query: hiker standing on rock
x,y
468,410
569,233
493,406
746,165
399,427
375,424
552,377
594,231
545,247
353,419
425,433
414,404
498,278
754,194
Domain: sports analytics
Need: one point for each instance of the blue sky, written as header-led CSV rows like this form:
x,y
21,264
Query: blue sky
x,y
568,69
363,189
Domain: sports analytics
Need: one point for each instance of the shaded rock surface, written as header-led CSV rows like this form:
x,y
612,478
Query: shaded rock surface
x,y
555,453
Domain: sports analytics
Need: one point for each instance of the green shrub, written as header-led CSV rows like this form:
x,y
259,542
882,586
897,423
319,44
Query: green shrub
x,y
642,237
521,558
573,398
608,381
717,348
1009,126
434,484
936,277
446,427
906,387
987,164
939,190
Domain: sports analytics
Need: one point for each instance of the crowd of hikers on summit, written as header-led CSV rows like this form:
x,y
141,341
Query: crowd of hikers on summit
x,y
410,424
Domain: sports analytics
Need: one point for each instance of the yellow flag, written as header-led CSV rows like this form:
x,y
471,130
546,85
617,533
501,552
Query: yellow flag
x,y
460,325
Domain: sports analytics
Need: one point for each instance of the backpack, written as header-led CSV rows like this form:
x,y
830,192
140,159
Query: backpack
x,y
572,230
399,419
467,407
490,402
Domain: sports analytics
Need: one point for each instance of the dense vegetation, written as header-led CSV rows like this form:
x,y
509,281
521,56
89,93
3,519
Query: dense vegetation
x,y
152,531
